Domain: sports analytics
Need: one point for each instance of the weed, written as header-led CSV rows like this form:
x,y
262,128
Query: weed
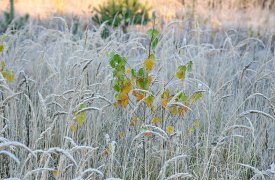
x,y
121,13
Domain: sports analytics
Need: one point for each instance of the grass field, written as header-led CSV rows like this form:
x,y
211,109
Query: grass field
x,y
59,119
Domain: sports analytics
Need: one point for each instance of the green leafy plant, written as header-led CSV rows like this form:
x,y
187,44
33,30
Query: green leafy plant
x,y
138,84
122,84
121,13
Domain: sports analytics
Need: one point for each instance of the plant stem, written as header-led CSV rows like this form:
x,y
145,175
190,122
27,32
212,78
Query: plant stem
x,y
151,40
144,144
11,17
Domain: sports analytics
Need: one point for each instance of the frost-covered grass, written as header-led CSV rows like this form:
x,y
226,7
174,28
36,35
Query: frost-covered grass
x,y
232,138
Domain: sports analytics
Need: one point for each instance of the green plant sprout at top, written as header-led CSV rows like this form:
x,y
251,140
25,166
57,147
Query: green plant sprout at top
x,y
122,13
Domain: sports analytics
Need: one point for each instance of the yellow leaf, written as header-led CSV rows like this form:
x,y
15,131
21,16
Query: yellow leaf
x,y
133,81
164,98
180,74
197,123
190,130
134,121
183,110
173,110
155,120
124,103
124,100
150,78
140,96
128,71
121,135
165,94
154,108
73,127
55,172
164,103
170,130
149,62
149,101
195,97
134,93
118,97
126,88
80,118
8,75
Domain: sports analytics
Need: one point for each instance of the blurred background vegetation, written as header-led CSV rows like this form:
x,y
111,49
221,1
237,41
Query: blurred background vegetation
x,y
235,4
9,17
258,15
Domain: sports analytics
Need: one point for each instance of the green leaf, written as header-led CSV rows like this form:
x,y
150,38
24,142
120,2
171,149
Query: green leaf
x,y
155,43
3,64
1,48
120,75
120,67
183,97
195,97
140,72
182,67
116,87
113,62
142,81
153,33
181,72
117,61
133,73
80,118
189,66
154,36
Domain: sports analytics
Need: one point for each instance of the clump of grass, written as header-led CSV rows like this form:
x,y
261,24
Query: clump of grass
x,y
122,13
